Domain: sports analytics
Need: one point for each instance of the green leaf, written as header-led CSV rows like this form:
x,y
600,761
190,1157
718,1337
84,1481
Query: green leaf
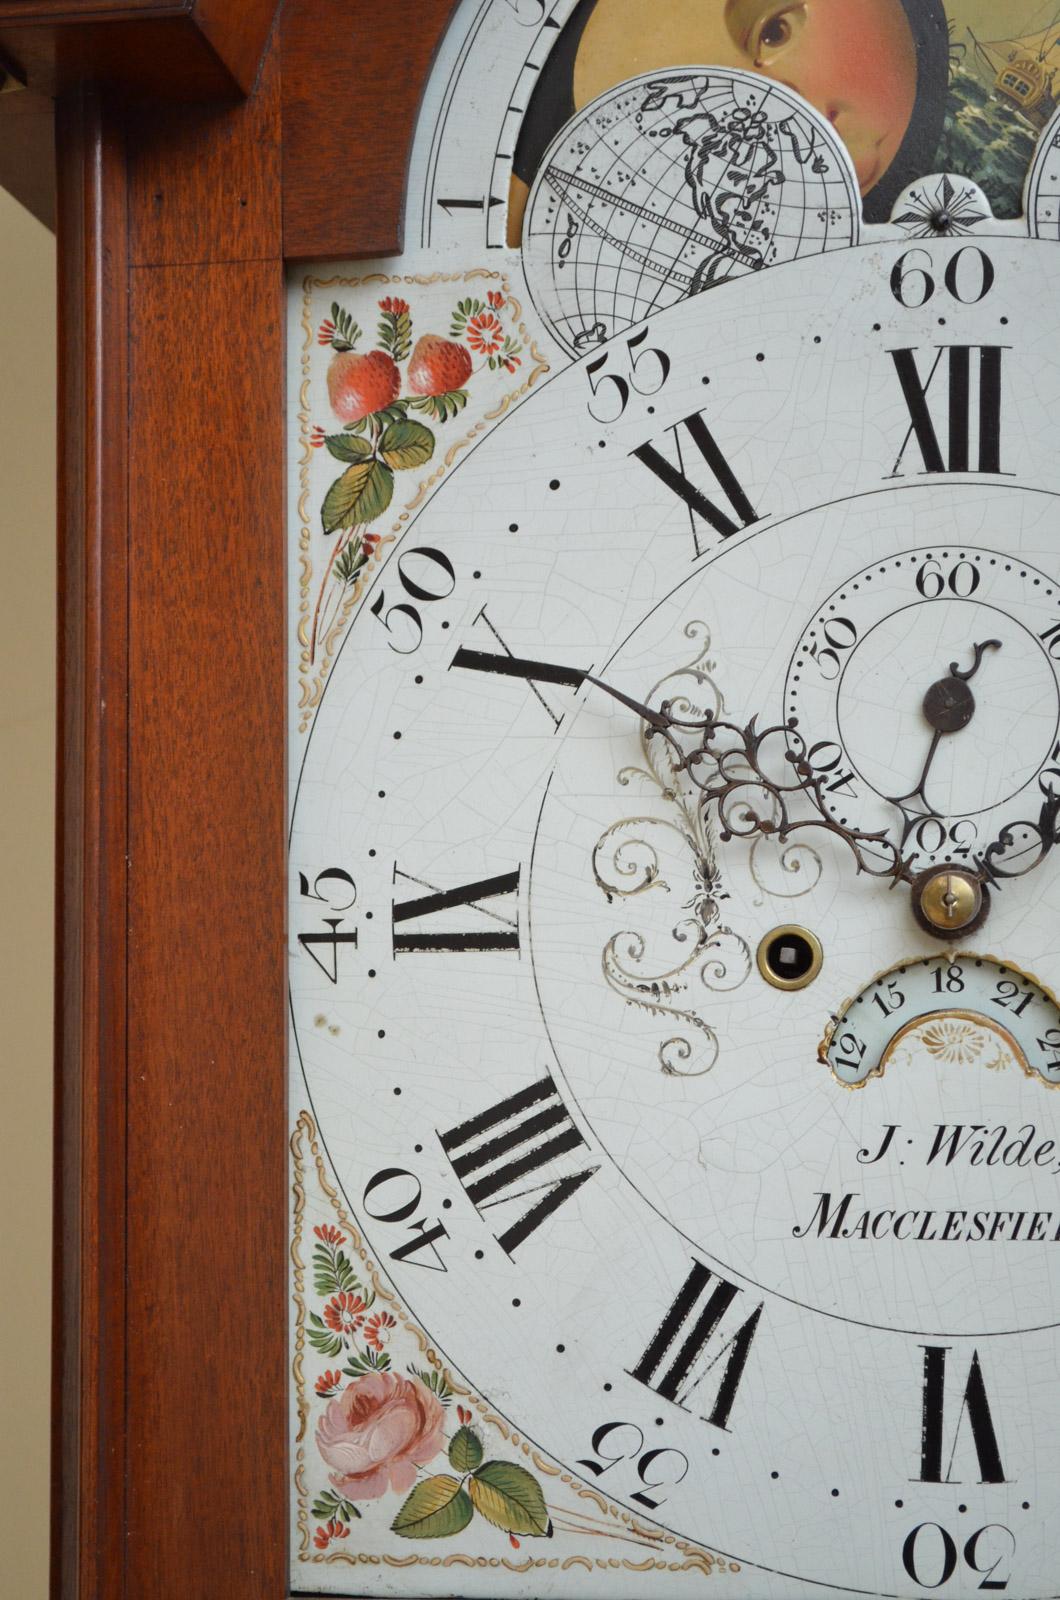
x,y
406,444
436,1509
465,1451
329,1505
328,1343
362,493
348,447
509,1497
442,407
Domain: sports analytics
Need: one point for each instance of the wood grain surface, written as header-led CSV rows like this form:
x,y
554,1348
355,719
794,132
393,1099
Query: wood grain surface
x,y
350,99
172,49
171,1225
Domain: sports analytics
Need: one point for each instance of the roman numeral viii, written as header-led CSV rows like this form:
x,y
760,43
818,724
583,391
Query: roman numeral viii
x,y
493,903
736,514
495,1153
974,1405
690,1347
954,408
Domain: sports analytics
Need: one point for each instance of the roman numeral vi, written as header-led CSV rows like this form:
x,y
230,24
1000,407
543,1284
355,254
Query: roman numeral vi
x,y
974,1405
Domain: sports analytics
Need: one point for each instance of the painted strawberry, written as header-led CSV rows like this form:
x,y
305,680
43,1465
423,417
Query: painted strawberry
x,y
438,366
360,385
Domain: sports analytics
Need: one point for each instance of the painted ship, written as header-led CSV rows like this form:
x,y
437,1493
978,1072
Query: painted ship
x,y
1025,72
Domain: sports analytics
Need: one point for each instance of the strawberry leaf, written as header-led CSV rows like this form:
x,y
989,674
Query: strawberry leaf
x,y
362,493
348,447
406,444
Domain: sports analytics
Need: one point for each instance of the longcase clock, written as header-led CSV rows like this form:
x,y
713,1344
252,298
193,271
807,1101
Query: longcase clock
x,y
561,749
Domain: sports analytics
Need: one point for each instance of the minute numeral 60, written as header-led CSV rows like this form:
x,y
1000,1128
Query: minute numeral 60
x,y
961,580
968,277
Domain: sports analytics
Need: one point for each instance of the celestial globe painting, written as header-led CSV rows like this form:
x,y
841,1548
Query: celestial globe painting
x,y
674,183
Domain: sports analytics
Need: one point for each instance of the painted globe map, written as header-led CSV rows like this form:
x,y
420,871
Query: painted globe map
x,y
671,184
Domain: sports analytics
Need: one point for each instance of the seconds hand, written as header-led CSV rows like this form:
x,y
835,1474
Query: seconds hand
x,y
949,706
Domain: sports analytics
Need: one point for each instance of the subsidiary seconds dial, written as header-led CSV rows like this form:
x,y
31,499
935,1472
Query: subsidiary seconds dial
x,y
928,687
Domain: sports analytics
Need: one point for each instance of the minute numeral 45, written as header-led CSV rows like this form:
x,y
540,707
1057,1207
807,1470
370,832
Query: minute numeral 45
x,y
690,1344
954,406
494,903
501,1155
726,519
336,892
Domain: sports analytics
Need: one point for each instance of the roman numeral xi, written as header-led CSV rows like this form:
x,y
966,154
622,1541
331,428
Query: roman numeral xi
x,y
731,510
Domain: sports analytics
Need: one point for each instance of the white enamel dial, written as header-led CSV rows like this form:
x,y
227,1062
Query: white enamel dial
x,y
657,1205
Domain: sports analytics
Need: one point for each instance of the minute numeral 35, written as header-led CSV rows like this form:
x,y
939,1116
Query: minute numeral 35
x,y
690,1344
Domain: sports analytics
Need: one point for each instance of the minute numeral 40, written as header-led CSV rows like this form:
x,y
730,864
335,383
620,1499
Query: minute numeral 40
x,y
691,1347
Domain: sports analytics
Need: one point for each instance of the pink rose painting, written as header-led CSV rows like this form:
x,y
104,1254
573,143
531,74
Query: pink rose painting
x,y
377,1432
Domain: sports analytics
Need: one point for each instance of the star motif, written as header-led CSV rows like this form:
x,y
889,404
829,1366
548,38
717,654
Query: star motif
x,y
942,212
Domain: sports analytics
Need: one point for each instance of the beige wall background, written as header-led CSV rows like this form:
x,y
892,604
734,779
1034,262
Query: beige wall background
x,y
27,718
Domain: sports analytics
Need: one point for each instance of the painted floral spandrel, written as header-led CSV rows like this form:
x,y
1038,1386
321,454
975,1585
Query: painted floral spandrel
x,y
381,1430
391,400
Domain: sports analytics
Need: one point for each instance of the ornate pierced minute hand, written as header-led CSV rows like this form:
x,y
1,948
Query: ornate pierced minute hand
x,y
727,764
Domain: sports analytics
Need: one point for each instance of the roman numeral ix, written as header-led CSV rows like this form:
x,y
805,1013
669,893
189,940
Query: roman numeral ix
x,y
688,1347
955,421
740,513
495,1153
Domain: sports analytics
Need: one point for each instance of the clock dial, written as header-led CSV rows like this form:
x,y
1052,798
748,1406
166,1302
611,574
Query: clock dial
x,y
590,1065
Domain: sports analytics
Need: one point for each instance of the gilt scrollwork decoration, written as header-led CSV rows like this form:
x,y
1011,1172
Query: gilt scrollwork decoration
x,y
628,863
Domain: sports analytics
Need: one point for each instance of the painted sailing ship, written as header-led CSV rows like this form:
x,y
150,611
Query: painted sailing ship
x,y
1024,72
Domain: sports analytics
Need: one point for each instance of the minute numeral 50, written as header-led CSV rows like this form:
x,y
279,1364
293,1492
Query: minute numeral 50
x,y
425,575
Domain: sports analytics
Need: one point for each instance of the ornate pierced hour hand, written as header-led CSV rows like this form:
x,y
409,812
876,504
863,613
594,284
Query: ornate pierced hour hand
x,y
949,706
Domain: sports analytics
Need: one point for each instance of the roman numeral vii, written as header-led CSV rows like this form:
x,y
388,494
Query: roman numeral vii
x,y
954,408
736,514
690,1347
495,1153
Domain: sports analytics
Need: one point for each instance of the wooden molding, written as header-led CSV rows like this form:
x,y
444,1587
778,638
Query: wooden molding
x,y
164,49
352,88
27,152
89,1273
